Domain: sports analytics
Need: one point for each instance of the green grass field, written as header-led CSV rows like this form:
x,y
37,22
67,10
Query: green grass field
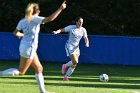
x,y
85,79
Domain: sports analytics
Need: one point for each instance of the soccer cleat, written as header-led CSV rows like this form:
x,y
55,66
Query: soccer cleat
x,y
66,79
63,70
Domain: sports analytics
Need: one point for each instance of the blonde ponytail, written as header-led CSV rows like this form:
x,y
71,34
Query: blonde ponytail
x,y
29,11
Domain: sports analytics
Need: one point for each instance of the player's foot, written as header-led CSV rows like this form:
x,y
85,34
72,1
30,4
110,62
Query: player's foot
x,y
66,79
63,70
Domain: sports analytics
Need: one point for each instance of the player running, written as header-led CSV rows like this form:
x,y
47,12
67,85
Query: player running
x,y
76,32
28,29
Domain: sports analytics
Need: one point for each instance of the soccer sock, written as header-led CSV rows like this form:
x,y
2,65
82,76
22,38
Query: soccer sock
x,y
10,72
69,64
69,72
40,82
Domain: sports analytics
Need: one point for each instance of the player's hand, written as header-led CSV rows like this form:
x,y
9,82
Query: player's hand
x,y
87,45
20,37
63,6
54,32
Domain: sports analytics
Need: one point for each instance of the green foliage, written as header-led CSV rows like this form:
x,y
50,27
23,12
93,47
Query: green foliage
x,y
102,17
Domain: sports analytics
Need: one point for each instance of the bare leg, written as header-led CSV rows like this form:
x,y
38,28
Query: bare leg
x,y
39,76
24,65
74,58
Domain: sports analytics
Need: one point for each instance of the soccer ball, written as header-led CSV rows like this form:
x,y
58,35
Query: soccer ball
x,y
104,77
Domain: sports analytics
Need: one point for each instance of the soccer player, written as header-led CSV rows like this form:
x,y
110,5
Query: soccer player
x,y
76,32
30,27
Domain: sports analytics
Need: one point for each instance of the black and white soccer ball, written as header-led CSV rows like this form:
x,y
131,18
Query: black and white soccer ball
x,y
104,77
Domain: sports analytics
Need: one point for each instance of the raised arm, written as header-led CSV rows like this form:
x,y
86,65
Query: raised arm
x,y
56,13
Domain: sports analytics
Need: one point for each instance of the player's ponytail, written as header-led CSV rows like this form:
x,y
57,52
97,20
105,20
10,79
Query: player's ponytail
x,y
29,11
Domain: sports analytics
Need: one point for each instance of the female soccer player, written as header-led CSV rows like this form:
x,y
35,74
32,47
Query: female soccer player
x,y
76,32
30,27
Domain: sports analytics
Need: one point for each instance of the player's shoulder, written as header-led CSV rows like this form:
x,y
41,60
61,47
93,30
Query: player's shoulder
x,y
72,26
23,20
69,26
83,28
38,17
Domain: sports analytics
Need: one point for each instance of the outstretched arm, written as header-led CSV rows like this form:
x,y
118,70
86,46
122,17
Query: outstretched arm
x,y
55,14
58,31
86,41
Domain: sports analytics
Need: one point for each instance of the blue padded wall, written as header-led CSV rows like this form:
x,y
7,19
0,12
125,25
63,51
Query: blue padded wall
x,y
103,49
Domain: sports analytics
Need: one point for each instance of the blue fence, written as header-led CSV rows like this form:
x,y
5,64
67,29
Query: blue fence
x,y
103,49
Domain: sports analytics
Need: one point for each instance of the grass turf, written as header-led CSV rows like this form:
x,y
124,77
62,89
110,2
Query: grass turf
x,y
85,79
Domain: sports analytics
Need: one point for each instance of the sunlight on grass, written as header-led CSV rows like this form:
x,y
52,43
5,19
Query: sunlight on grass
x,y
124,80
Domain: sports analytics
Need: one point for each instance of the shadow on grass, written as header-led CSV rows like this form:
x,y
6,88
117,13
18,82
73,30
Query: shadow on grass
x,y
17,77
96,85
83,76
76,84
70,83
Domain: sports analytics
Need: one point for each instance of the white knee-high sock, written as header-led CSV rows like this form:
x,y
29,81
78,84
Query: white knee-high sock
x,y
69,72
40,82
69,64
10,72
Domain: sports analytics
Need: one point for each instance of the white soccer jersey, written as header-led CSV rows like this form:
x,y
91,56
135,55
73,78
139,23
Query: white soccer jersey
x,y
75,35
30,30
29,42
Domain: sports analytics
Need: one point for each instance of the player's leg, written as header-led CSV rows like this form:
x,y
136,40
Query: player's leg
x,y
24,65
10,72
68,64
65,66
39,76
26,57
74,58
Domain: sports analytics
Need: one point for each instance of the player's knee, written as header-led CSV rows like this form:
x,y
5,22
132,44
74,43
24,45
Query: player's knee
x,y
73,66
75,62
39,69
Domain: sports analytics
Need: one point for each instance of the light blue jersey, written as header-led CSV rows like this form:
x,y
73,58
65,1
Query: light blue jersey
x,y
30,30
75,35
29,42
